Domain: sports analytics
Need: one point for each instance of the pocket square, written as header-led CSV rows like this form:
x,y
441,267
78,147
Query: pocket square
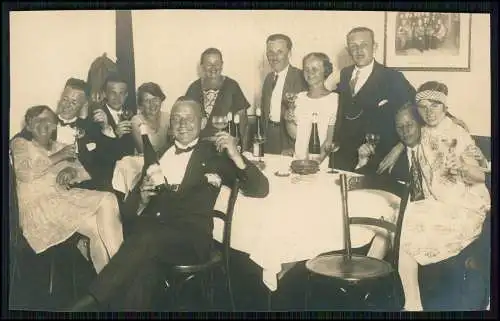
x,y
213,179
91,146
383,102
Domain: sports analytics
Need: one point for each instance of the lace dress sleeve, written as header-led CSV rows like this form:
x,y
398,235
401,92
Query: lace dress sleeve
x,y
30,163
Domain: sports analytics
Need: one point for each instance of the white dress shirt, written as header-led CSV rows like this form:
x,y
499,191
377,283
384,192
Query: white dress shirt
x,y
364,73
114,113
409,151
174,166
65,134
277,96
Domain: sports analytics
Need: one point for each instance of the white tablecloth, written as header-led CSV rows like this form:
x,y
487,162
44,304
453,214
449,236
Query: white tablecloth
x,y
299,219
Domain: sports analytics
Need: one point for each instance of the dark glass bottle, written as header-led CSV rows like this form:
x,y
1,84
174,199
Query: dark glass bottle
x,y
314,144
258,138
150,157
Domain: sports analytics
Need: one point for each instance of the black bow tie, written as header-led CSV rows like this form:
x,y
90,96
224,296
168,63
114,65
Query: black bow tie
x,y
179,150
64,124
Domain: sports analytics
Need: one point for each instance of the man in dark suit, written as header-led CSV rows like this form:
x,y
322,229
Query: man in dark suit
x,y
175,226
117,141
369,95
409,132
283,79
74,125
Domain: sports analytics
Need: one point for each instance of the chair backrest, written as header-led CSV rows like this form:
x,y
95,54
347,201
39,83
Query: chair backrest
x,y
384,183
14,227
227,217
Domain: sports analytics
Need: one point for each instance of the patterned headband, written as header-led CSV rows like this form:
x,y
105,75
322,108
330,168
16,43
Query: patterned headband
x,y
431,95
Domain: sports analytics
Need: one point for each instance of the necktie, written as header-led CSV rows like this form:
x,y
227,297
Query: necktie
x,y
179,150
352,83
275,80
416,192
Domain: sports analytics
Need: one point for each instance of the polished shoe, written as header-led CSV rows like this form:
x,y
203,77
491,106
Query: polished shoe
x,y
86,303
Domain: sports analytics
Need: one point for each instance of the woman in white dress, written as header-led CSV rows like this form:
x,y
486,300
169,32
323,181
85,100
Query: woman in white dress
x,y
50,211
318,99
455,198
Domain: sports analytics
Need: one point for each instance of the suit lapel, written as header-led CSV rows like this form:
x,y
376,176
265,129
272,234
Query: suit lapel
x,y
111,120
371,83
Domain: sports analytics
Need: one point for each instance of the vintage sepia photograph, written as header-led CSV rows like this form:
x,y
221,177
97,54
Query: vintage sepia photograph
x,y
175,160
428,40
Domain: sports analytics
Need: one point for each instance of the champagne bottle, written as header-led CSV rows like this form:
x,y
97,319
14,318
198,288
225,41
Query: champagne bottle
x,y
150,157
237,134
314,145
230,124
258,138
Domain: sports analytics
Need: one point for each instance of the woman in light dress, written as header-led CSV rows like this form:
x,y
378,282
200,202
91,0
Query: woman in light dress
x,y
50,211
456,202
318,99
150,98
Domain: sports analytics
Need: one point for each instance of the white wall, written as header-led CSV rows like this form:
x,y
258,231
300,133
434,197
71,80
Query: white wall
x,y
47,47
168,44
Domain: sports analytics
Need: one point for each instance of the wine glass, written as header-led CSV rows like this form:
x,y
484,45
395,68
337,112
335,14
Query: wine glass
x,y
126,114
79,133
220,122
372,139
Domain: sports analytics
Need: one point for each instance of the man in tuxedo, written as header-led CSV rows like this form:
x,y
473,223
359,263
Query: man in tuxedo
x,y
117,140
369,95
175,225
73,125
283,79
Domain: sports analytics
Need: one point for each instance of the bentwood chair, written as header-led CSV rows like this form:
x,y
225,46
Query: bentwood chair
x,y
359,275
203,274
23,280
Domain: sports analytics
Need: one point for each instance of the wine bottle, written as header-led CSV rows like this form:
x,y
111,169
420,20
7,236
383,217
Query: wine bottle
x,y
258,138
150,158
230,124
314,145
237,135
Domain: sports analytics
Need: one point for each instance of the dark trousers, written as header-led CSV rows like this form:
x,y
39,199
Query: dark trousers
x,y
273,144
135,272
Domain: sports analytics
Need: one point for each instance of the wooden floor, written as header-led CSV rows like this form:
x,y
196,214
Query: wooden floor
x,y
443,289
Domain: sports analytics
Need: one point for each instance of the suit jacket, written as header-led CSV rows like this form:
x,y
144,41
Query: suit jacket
x,y
376,103
294,83
110,149
400,171
92,135
190,206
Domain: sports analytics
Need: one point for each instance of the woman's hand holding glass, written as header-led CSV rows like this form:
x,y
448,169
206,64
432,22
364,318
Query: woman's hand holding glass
x,y
66,177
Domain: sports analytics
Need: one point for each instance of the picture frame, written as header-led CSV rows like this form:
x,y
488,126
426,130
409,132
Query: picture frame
x,y
427,41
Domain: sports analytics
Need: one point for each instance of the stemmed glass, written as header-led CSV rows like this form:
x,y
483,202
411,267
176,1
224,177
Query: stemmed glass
x,y
79,133
372,139
220,122
126,114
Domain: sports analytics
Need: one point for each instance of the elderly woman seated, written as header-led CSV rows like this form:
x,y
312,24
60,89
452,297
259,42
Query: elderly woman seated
x,y
50,209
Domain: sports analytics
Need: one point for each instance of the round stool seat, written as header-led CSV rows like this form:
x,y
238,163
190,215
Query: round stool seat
x,y
356,269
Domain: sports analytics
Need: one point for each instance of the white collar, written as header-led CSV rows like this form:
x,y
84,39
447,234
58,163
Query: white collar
x,y
283,72
113,111
67,121
414,148
180,145
368,68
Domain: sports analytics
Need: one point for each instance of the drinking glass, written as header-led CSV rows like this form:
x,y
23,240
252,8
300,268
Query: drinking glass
x,y
220,122
126,114
79,133
372,139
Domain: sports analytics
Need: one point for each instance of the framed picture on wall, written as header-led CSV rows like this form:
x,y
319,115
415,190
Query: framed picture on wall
x,y
431,41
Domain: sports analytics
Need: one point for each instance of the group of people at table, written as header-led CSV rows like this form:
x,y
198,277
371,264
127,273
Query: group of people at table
x,y
65,187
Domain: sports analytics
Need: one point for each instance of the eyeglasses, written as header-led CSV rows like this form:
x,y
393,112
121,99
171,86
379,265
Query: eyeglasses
x,y
155,101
